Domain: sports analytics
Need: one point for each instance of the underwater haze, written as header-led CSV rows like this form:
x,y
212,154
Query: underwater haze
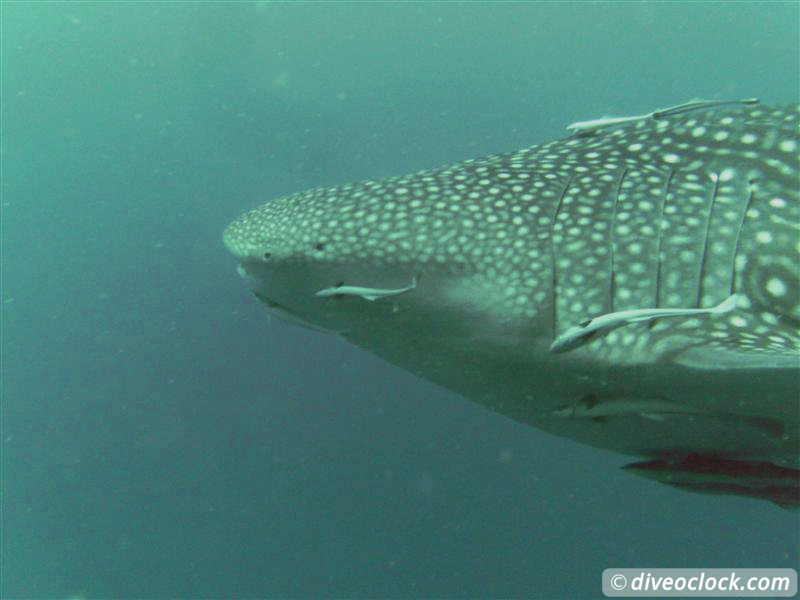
x,y
163,437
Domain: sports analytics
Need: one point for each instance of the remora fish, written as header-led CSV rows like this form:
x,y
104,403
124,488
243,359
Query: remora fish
x,y
649,263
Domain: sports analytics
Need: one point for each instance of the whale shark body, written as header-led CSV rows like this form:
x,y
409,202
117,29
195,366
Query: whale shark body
x,y
635,286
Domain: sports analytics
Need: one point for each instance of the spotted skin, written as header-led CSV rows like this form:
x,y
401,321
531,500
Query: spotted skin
x,y
512,250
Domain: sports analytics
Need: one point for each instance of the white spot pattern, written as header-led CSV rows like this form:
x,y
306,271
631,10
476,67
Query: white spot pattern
x,y
664,213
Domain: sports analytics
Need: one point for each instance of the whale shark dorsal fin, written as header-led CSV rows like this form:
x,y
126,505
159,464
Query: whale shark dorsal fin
x,y
580,334
659,113
367,293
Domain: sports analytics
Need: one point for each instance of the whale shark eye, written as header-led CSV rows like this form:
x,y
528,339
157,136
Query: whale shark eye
x,y
267,255
319,246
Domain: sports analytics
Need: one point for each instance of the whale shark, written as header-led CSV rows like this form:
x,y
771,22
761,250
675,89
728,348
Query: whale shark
x,y
634,286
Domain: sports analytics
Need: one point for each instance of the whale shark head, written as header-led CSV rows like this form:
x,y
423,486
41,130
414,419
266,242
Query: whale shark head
x,y
642,262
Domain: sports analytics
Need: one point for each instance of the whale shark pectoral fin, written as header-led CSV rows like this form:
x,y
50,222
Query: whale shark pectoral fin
x,y
367,293
578,335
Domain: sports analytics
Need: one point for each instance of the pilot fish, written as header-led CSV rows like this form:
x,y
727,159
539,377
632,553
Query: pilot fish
x,y
634,286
